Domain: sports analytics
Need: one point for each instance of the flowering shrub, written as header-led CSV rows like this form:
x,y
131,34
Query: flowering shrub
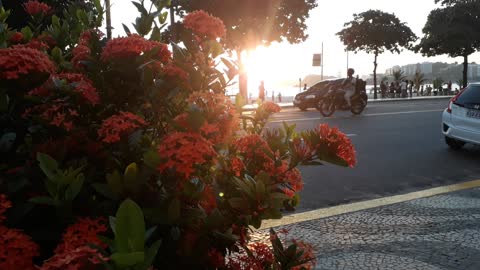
x,y
127,154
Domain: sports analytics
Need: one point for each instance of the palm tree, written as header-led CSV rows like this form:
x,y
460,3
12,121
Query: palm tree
x,y
460,83
418,80
398,75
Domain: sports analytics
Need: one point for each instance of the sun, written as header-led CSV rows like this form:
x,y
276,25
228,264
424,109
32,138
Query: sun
x,y
264,64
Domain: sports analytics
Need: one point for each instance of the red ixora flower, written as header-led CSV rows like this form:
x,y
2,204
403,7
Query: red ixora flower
x,y
118,125
33,7
17,250
82,85
75,259
216,258
17,37
132,46
84,232
4,205
205,25
262,256
336,143
80,53
181,151
270,107
19,60
172,71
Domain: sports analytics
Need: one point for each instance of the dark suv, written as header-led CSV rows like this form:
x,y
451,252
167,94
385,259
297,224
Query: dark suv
x,y
311,97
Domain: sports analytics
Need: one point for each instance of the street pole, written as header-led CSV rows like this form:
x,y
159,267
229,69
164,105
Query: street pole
x,y
299,85
108,19
172,21
347,61
322,60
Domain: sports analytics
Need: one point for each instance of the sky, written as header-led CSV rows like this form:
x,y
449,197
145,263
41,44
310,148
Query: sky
x,y
290,62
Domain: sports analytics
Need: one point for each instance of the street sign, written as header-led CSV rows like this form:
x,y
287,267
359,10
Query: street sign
x,y
317,60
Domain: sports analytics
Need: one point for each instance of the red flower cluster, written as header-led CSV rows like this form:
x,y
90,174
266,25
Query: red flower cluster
x,y
58,114
19,60
204,25
82,258
82,85
270,107
219,113
17,37
237,166
84,232
118,125
132,46
336,143
209,199
4,205
253,148
182,150
33,7
217,260
262,258
80,53
174,72
17,250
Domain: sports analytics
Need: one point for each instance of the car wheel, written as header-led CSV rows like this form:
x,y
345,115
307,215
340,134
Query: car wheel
x,y
454,144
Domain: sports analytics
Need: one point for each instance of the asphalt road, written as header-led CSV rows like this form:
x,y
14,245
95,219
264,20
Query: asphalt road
x,y
399,148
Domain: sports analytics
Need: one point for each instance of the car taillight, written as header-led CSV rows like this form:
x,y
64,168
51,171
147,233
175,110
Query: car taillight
x,y
450,103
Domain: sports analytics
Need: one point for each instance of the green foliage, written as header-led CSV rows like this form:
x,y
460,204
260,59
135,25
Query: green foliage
x,y
418,80
398,75
453,30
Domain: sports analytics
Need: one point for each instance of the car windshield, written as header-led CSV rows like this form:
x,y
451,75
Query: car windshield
x,y
471,95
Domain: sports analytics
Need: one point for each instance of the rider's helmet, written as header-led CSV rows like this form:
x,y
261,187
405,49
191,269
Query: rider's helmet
x,y
350,72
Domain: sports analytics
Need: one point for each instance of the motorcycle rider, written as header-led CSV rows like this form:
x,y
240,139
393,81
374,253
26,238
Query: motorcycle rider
x,y
349,85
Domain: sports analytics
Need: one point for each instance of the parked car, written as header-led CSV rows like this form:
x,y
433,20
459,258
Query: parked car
x,y
311,97
461,119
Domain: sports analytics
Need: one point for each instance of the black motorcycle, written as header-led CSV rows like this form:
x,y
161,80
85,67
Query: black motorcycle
x,y
334,100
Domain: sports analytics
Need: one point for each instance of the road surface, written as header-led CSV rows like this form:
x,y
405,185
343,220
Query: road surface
x,y
399,148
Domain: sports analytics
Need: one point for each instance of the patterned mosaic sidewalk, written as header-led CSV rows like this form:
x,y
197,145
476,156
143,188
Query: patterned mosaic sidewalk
x,y
435,233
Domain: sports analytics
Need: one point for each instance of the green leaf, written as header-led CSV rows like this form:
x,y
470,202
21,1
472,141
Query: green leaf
x,y
74,188
140,8
130,177
55,21
27,33
238,203
127,30
115,182
48,165
152,159
57,55
130,228
82,16
44,200
6,142
150,254
174,210
128,259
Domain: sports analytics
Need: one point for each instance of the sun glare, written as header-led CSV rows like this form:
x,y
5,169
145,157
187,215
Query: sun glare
x,y
264,64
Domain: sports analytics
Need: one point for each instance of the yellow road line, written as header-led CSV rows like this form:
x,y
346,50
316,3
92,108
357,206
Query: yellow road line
x,y
352,207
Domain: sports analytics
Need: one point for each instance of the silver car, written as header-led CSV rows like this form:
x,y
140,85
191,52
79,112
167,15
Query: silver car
x,y
461,119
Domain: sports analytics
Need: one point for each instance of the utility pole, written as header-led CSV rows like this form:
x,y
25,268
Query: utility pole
x,y
323,56
347,61
172,20
108,19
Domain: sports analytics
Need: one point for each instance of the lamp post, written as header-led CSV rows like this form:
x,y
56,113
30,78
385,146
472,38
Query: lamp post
x,y
108,19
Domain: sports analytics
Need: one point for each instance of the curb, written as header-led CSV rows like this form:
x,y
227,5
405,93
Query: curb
x,y
290,104
363,205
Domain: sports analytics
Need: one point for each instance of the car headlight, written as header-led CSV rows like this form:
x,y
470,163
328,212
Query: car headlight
x,y
310,96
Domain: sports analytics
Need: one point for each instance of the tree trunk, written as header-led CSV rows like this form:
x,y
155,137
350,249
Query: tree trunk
x,y
375,76
172,22
108,19
242,76
465,70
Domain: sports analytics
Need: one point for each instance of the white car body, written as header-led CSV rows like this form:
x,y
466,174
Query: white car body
x,y
461,120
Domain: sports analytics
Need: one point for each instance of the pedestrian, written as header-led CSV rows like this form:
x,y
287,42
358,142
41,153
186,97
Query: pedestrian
x,y
273,96
304,87
403,88
410,88
421,90
250,100
449,87
261,92
383,89
392,90
279,97
398,90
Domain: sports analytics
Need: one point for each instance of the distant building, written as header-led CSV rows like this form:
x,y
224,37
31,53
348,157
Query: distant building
x,y
445,71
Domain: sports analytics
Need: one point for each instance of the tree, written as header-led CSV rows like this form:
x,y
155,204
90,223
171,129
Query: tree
x,y
375,31
398,75
453,30
418,80
251,23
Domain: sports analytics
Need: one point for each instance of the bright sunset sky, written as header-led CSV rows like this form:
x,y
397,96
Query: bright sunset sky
x,y
294,61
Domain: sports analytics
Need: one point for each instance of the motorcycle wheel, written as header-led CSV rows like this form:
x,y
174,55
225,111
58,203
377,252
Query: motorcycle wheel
x,y
302,108
358,106
326,107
